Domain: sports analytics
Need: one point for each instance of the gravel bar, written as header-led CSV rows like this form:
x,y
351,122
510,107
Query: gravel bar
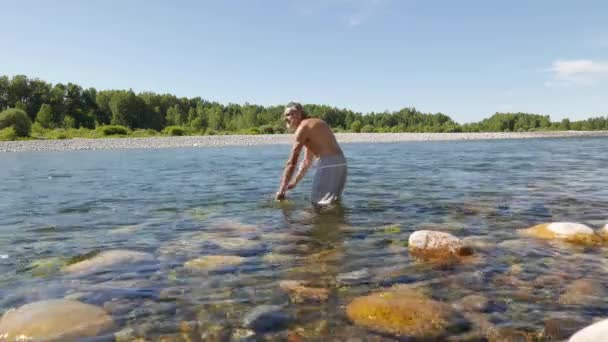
x,y
273,139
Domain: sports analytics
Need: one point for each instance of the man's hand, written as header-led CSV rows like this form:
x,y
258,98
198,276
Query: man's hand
x,y
280,196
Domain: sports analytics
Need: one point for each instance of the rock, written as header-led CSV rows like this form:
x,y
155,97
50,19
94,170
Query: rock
x,y
299,291
46,267
560,328
266,318
434,245
473,303
603,233
109,259
213,262
401,311
124,335
55,320
240,246
565,231
354,277
583,292
594,332
277,258
242,335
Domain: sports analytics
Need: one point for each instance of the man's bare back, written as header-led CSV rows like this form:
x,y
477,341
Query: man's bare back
x,y
318,137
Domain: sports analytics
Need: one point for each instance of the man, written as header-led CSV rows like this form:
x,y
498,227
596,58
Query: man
x,y
319,142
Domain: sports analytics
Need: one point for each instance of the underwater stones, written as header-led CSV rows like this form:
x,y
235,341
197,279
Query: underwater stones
x,y
299,291
472,303
560,328
187,246
54,320
239,245
401,311
583,292
565,231
109,259
434,245
354,277
277,258
213,262
594,332
266,318
47,266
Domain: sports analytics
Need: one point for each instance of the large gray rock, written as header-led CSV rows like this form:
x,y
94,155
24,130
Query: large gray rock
x,y
54,320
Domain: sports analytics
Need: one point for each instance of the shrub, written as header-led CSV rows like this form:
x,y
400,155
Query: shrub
x,y
266,129
17,119
114,130
174,130
8,133
367,129
144,133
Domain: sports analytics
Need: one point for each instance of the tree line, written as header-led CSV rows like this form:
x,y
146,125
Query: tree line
x,y
68,106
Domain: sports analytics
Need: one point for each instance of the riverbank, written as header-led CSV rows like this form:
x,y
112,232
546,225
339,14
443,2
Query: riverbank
x,y
252,140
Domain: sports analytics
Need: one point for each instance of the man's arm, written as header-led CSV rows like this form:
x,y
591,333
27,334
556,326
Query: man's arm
x,y
289,168
304,166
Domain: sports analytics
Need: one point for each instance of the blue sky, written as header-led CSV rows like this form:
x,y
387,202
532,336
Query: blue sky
x,y
465,58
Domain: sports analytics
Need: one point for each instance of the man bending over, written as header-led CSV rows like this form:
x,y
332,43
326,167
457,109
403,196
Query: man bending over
x,y
316,138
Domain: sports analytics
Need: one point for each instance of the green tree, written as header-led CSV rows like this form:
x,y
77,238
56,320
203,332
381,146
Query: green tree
x,y
45,116
127,109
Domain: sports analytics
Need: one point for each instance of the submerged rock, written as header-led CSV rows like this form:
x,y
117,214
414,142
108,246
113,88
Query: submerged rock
x,y
560,328
473,303
266,318
213,262
434,245
278,258
54,320
46,267
583,292
401,311
109,259
566,231
354,277
299,291
594,332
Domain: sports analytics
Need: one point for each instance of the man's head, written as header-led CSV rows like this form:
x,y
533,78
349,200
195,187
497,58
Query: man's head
x,y
293,115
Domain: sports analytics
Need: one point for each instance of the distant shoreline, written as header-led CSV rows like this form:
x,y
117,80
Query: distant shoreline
x,y
272,139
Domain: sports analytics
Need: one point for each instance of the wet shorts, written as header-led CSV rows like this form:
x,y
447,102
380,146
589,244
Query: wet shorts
x,y
329,180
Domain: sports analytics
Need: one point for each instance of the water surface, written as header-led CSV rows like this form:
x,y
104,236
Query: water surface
x,y
180,204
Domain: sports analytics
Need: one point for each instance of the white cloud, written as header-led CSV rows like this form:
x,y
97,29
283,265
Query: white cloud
x,y
579,72
352,13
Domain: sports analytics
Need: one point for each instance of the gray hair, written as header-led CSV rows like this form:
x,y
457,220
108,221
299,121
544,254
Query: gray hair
x,y
297,107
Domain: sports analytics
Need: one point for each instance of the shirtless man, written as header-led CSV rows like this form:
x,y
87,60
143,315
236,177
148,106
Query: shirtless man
x,y
319,142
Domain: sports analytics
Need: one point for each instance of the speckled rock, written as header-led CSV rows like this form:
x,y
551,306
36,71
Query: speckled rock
x,y
438,246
